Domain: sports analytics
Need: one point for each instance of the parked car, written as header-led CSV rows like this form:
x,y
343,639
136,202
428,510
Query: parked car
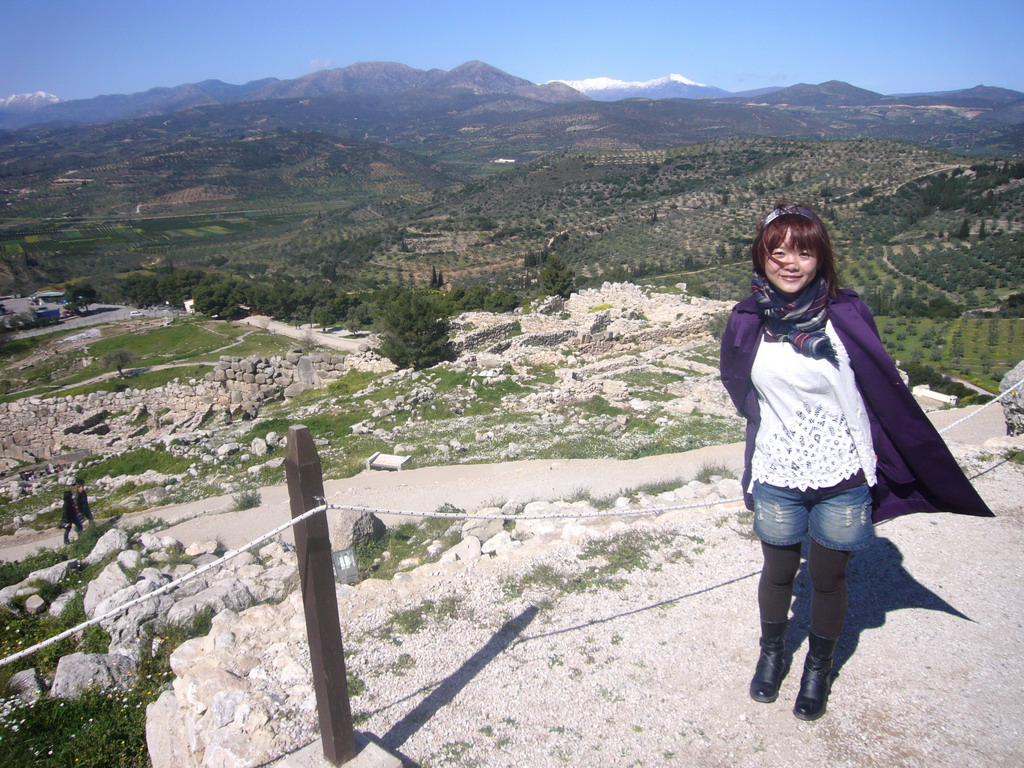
x,y
136,313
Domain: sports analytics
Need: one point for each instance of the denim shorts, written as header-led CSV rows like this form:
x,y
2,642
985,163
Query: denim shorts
x,y
835,519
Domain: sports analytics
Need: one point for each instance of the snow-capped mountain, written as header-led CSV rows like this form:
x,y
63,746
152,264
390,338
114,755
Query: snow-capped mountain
x,y
28,102
668,87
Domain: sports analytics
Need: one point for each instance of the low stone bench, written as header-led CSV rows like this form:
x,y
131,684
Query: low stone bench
x,y
386,461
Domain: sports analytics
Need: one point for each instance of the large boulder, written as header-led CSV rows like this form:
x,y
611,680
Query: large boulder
x,y
1013,404
225,593
80,672
61,602
349,528
483,528
110,580
126,629
305,373
110,542
467,549
54,574
243,694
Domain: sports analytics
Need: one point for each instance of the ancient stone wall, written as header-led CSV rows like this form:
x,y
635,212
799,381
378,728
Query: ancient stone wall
x,y
35,428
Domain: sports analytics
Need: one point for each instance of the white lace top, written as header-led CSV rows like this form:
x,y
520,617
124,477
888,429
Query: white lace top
x,y
814,430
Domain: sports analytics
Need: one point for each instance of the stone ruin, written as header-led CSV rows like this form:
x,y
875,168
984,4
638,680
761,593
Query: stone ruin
x,y
599,321
34,429
617,317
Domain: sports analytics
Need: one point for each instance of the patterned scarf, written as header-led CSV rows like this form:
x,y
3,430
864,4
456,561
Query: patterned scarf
x,y
800,321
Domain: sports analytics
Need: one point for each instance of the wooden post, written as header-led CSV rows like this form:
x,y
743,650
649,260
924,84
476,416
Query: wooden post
x,y
313,547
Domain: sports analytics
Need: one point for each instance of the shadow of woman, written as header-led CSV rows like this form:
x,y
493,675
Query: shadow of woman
x,y
878,585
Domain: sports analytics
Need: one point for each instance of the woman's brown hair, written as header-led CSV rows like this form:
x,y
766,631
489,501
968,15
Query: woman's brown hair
x,y
805,230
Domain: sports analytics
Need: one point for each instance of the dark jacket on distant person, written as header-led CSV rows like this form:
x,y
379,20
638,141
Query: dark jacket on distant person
x,y
82,504
70,515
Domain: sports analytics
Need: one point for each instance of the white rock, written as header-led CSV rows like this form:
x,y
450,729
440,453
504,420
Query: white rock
x,y
55,574
227,449
110,580
112,541
130,560
483,528
197,548
82,671
467,549
153,496
35,605
60,603
499,544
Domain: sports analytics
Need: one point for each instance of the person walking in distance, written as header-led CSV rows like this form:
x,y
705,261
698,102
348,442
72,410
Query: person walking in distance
x,y
834,442
82,501
70,516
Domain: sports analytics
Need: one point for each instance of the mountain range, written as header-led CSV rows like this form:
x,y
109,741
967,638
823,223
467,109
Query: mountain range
x,y
390,79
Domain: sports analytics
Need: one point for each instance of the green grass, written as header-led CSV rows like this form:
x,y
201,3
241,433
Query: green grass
x,y
182,339
100,728
613,555
411,620
247,499
146,380
198,341
351,383
135,463
408,540
712,469
598,406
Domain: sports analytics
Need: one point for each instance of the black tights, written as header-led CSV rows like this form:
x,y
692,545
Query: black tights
x,y
827,568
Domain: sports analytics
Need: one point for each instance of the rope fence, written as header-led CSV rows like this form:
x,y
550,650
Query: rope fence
x,y
324,506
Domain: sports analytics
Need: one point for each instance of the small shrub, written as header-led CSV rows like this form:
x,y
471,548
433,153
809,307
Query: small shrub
x,y
412,620
712,469
247,499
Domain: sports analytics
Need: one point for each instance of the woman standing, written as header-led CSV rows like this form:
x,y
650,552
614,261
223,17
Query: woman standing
x,y
835,441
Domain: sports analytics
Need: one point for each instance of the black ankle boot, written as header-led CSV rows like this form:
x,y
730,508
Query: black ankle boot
x,y
816,681
771,664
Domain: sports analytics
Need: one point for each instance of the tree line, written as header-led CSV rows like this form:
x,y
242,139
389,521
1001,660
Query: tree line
x,y
415,323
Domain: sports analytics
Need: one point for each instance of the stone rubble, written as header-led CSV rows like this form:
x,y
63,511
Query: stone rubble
x,y
243,694
135,567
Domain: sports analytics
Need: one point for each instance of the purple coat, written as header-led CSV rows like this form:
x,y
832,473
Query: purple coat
x,y
916,471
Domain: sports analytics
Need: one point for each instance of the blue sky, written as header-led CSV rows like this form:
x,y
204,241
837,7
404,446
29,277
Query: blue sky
x,y
84,48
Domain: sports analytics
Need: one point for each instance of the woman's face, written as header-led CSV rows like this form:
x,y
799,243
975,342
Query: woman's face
x,y
789,269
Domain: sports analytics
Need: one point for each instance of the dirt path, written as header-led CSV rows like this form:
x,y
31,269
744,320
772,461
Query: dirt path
x,y
467,486
330,340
